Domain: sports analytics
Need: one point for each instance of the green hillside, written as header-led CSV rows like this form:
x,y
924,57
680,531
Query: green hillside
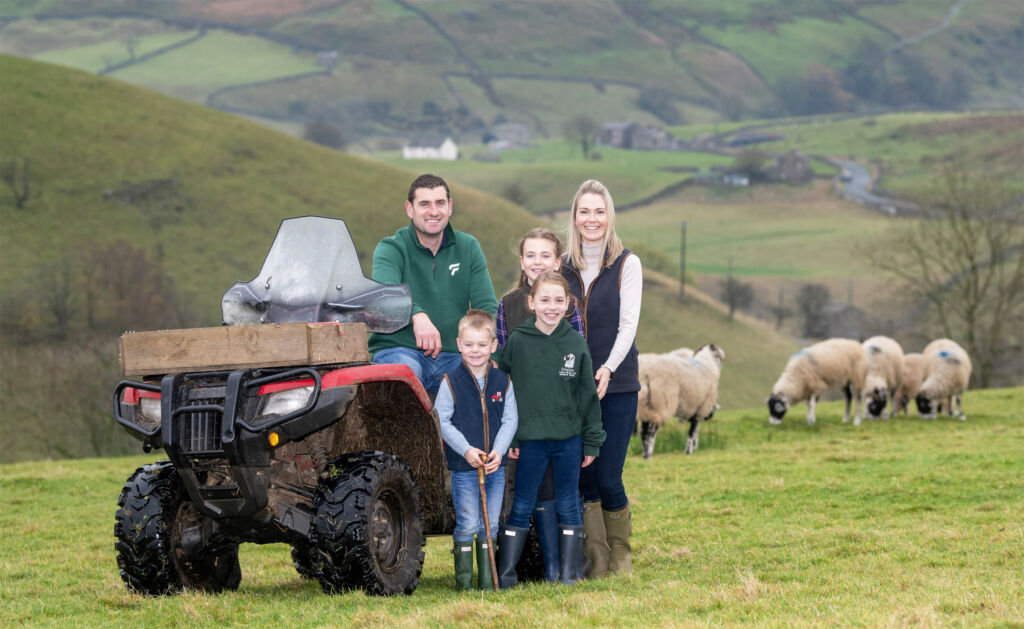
x,y
145,209
393,68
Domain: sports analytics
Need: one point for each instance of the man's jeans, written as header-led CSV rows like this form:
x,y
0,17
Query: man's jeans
x,y
469,517
428,370
565,457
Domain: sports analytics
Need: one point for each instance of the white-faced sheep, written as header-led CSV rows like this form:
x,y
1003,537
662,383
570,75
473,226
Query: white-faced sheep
x,y
830,364
884,370
671,386
910,381
947,369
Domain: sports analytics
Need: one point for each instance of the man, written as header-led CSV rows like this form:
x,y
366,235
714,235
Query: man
x,y
447,274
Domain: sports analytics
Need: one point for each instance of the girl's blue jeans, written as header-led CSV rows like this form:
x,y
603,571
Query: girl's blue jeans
x,y
565,457
469,516
602,480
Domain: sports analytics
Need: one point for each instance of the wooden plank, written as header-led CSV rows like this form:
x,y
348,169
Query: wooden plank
x,y
237,347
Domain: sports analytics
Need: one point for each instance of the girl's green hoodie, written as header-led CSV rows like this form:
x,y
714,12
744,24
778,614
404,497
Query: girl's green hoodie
x,y
554,382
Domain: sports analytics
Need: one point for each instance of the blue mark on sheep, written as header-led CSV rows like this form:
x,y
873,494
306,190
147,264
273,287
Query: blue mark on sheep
x,y
944,354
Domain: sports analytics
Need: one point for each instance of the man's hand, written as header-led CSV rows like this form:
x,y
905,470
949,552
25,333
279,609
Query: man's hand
x,y
427,337
588,459
493,462
474,456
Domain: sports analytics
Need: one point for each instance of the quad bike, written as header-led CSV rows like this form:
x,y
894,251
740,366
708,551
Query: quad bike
x,y
342,460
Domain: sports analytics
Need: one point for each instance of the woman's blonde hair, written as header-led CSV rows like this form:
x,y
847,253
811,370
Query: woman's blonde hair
x,y
612,243
540,233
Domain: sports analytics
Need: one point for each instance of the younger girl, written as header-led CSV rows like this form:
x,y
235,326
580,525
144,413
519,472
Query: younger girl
x,y
559,423
539,250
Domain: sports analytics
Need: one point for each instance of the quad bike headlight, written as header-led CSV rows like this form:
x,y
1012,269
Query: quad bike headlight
x,y
284,402
149,412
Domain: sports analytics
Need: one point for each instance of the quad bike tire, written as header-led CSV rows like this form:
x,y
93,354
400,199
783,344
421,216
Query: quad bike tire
x,y
154,509
367,531
302,558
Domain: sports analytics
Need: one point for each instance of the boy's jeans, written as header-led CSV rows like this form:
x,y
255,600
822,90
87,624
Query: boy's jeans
x,y
469,517
428,370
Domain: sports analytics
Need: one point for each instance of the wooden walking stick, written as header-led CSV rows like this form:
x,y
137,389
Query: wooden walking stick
x,y
487,524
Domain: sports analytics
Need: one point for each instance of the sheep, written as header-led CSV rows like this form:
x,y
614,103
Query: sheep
x,y
910,381
683,352
830,364
884,358
947,370
671,386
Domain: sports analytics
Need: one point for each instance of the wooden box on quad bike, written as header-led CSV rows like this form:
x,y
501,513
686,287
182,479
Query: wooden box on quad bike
x,y
246,346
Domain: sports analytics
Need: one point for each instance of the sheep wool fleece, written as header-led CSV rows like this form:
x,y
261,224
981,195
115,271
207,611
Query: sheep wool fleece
x,y
554,381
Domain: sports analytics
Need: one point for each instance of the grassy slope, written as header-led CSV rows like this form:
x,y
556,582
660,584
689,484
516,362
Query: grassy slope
x,y
239,181
897,523
86,134
735,53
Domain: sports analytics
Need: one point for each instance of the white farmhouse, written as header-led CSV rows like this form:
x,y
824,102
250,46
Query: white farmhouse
x,y
431,146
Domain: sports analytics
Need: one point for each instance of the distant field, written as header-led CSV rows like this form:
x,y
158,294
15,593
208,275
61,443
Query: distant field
x,y
912,147
894,523
219,59
804,234
793,46
100,56
551,171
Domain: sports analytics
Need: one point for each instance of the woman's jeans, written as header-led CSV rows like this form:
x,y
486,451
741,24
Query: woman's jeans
x,y
469,517
565,457
602,480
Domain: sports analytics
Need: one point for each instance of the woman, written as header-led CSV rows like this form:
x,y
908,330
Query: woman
x,y
608,281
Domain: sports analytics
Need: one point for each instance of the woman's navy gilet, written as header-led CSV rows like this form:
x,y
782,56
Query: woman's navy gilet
x,y
600,309
469,411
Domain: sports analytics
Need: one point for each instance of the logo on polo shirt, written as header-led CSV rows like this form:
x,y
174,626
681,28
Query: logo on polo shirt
x,y
453,268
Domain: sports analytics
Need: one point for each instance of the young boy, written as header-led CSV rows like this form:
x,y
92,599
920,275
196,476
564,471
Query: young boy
x,y
477,409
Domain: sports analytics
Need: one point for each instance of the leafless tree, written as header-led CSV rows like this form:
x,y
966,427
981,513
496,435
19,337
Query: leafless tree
x,y
581,130
16,172
964,263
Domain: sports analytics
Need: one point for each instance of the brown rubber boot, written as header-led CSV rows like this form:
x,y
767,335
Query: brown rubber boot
x,y
619,526
596,541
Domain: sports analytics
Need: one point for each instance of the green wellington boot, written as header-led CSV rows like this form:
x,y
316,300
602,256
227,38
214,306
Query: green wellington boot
x,y
596,539
483,564
619,526
463,552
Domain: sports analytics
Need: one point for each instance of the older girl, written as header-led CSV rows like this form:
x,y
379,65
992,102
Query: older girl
x,y
540,250
607,280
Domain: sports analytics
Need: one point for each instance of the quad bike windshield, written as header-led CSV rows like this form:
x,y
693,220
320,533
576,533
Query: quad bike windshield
x,y
312,274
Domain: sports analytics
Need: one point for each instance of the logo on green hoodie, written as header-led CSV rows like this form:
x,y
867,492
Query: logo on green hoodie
x,y
569,368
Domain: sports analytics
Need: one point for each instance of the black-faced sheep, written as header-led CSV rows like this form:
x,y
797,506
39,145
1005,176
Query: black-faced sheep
x,y
884,370
671,386
831,364
947,370
910,381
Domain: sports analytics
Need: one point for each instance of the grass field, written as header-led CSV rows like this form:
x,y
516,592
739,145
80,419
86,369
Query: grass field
x,y
802,233
901,523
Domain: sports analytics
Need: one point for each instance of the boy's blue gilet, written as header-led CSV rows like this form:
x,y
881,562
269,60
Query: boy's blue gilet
x,y
469,411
